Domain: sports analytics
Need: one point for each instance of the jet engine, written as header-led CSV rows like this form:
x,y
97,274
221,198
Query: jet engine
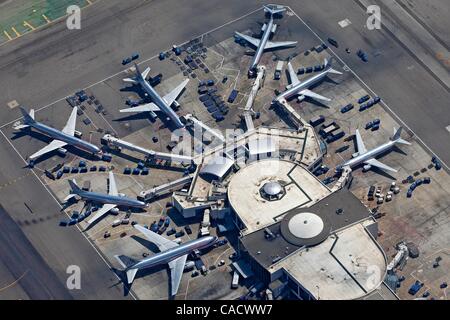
x,y
367,167
62,151
300,98
114,211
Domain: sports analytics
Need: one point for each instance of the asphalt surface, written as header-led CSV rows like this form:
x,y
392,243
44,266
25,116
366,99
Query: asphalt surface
x,y
392,72
24,263
36,232
49,64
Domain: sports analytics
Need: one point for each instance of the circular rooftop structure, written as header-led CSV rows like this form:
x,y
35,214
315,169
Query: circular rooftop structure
x,y
261,192
272,188
304,228
305,225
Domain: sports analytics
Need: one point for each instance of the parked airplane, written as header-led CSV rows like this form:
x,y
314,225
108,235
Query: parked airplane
x,y
172,253
296,87
108,202
60,138
264,43
367,157
158,103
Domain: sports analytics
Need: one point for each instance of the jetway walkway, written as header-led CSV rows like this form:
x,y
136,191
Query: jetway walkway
x,y
148,195
248,109
195,121
150,154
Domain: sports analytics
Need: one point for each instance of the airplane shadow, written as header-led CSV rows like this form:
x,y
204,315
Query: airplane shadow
x,y
43,138
147,244
136,116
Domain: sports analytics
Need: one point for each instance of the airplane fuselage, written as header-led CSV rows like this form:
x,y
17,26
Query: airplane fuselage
x,y
260,50
160,102
173,253
373,153
111,199
59,135
301,86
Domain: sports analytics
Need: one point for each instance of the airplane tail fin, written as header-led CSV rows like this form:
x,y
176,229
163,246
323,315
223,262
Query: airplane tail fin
x,y
397,137
274,9
29,117
131,273
328,66
133,80
127,263
75,188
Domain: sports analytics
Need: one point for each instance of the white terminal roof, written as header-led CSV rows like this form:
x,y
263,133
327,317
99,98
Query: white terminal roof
x,y
301,187
305,225
217,166
262,145
345,267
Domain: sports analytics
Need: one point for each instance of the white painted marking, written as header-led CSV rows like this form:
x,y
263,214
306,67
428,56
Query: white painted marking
x,y
344,23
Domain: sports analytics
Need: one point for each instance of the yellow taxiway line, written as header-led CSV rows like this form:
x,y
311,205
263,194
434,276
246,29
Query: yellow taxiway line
x,y
46,19
16,32
7,35
26,24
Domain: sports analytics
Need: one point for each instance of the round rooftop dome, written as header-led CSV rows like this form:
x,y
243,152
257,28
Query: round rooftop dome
x,y
272,188
305,225
304,228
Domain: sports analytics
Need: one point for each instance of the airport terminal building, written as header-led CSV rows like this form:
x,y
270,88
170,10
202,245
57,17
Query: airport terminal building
x,y
297,236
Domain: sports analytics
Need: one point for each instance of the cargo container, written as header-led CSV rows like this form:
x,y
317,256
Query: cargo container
x,y
317,120
232,96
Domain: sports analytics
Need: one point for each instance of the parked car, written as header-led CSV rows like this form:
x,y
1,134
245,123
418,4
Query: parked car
x,y
347,108
126,61
188,229
171,232
179,234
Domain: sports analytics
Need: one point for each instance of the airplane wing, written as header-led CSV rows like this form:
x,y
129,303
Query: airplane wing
x,y
101,212
162,243
142,108
359,143
176,273
145,73
69,128
375,163
55,144
309,93
172,95
292,75
112,185
279,44
249,39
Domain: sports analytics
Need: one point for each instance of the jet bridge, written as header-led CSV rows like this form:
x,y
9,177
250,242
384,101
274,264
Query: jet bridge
x,y
190,118
148,195
293,115
248,109
150,154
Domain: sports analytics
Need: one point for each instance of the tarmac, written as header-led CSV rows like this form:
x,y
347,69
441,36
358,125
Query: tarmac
x,y
48,64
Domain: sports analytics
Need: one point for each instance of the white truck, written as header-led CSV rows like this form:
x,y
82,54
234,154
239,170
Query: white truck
x,y
235,281
204,226
278,70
